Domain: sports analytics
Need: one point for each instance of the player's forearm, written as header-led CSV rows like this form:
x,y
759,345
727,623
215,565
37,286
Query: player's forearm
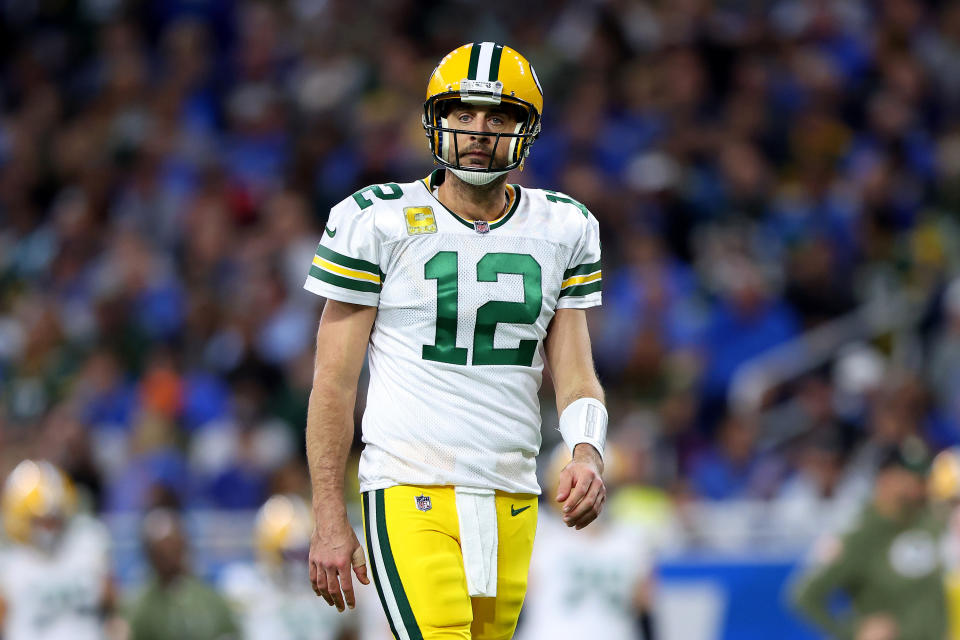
x,y
329,435
587,387
590,388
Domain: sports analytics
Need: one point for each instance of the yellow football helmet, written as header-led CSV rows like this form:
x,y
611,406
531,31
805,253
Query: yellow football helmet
x,y
35,490
483,73
282,531
944,479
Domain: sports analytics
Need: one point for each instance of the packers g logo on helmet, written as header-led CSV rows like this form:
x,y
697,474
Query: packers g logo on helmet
x,y
483,73
33,490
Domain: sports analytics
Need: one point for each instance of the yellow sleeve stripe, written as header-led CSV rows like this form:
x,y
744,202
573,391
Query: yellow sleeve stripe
x,y
575,280
344,271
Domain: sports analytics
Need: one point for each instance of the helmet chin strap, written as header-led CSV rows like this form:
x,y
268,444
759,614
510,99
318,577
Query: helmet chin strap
x,y
477,178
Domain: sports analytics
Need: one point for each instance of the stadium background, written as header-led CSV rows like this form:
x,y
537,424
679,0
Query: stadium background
x,y
777,186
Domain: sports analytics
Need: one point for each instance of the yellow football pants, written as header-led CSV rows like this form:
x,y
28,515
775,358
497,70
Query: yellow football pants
x,y
414,555
953,603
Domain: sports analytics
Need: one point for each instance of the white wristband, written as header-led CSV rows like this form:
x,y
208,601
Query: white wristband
x,y
584,420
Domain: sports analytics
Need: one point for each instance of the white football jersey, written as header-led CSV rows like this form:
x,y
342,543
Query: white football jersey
x,y
581,583
57,596
272,609
463,308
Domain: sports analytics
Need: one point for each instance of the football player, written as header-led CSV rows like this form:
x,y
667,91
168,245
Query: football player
x,y
944,489
461,287
272,597
55,579
596,584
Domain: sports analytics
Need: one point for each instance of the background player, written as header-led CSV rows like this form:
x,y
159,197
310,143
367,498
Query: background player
x,y
456,282
55,578
596,584
271,597
944,488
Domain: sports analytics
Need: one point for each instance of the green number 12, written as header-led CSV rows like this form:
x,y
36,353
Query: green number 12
x,y
443,268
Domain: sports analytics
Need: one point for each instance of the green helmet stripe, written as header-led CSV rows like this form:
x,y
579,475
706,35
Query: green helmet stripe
x,y
495,62
474,60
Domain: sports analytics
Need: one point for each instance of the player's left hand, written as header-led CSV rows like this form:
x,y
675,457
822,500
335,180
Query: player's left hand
x,y
581,491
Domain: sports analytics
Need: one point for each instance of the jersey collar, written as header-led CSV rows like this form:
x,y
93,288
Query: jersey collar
x,y
436,178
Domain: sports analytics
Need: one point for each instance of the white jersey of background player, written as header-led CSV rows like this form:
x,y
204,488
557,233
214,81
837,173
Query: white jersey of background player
x,y
589,584
55,579
273,598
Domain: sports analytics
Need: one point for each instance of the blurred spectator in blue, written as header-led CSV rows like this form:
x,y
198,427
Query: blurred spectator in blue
x,y
732,467
746,320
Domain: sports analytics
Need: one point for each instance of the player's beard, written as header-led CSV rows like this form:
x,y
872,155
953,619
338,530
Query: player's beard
x,y
475,178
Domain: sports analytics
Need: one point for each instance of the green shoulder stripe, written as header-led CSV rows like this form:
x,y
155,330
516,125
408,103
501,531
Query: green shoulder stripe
x,y
581,289
346,261
344,283
582,270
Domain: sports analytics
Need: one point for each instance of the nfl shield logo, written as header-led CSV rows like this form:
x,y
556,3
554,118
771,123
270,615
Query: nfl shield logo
x,y
481,226
423,503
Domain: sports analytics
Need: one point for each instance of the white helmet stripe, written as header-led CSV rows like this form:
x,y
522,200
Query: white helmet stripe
x,y
483,65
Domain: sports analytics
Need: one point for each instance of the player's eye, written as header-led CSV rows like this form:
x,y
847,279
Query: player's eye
x,y
464,117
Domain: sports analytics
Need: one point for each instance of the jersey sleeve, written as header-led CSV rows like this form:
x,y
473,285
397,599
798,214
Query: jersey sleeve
x,y
581,283
346,266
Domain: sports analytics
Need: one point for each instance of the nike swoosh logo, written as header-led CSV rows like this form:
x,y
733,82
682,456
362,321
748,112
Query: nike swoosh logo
x,y
330,232
515,512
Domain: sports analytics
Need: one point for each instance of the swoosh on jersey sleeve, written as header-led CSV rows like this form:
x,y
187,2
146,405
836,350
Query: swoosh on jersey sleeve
x,y
581,286
346,267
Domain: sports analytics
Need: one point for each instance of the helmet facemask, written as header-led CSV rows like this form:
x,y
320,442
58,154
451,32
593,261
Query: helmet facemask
x,y
445,147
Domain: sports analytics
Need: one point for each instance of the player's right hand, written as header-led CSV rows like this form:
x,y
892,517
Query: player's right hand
x,y
334,550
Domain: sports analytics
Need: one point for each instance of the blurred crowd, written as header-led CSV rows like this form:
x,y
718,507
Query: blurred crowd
x,y
758,170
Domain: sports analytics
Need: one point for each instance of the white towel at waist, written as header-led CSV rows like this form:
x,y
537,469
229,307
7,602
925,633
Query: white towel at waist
x,y
477,511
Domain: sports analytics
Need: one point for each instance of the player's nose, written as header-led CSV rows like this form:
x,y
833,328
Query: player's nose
x,y
482,131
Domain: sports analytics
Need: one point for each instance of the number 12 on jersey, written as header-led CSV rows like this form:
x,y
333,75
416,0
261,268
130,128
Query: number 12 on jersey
x,y
443,268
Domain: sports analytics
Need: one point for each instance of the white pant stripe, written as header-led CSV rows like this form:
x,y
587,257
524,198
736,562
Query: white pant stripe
x,y
392,609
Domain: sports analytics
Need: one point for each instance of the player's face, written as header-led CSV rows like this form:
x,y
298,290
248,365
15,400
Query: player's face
x,y
476,148
908,488
45,532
